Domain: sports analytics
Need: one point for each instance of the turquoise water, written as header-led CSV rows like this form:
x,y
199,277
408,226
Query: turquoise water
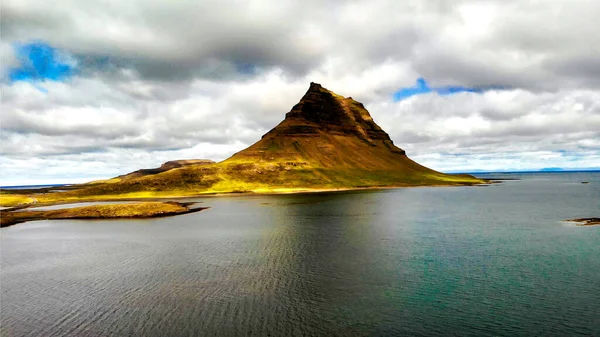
x,y
468,261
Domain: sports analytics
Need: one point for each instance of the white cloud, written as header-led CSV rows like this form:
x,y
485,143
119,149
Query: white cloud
x,y
164,80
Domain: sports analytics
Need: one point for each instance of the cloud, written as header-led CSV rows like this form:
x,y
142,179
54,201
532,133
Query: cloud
x,y
422,87
496,123
39,61
153,80
506,43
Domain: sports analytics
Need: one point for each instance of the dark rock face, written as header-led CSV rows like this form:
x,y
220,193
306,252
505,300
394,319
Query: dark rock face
x,y
321,110
319,106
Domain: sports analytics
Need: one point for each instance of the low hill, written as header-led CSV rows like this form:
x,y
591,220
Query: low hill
x,y
163,168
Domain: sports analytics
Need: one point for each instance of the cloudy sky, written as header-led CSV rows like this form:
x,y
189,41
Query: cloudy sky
x,y
93,89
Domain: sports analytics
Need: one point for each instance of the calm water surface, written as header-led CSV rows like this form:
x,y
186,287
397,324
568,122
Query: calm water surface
x,y
469,261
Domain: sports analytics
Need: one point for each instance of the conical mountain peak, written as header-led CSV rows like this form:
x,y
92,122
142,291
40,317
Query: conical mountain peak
x,y
322,110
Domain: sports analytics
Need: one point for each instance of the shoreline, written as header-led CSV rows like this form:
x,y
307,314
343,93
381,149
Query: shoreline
x,y
325,190
162,198
27,212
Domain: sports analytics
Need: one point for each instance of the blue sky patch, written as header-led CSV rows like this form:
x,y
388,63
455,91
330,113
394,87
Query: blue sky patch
x,y
39,61
422,87
245,68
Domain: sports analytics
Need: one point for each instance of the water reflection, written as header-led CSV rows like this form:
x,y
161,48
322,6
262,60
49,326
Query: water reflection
x,y
311,257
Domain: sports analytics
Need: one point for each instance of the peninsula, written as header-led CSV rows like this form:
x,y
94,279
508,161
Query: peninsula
x,y
325,142
99,212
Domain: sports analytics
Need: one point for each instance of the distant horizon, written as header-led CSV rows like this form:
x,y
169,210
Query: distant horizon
x,y
543,170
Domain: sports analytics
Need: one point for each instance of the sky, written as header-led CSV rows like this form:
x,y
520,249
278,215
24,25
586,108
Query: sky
x,y
93,89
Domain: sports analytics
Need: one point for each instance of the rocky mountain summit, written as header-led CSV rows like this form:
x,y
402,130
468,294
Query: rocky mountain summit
x,y
328,130
323,110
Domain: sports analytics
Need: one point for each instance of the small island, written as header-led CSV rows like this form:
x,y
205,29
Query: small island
x,y
585,221
109,211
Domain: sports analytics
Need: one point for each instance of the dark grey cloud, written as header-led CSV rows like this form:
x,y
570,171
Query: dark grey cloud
x,y
173,40
583,68
18,20
471,43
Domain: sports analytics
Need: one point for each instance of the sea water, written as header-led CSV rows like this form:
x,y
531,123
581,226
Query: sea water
x,y
471,261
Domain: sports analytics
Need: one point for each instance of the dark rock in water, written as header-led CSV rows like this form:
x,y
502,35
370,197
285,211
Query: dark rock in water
x,y
586,221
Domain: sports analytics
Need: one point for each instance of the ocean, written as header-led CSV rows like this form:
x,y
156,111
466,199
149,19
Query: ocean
x,y
492,260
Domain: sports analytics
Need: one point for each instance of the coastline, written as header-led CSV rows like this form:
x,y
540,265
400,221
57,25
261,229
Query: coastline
x,y
325,190
160,197
151,206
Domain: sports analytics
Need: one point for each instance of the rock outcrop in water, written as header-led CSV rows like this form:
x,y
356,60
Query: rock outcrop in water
x,y
586,221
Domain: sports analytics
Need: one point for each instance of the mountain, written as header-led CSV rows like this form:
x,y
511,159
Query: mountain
x,y
326,141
